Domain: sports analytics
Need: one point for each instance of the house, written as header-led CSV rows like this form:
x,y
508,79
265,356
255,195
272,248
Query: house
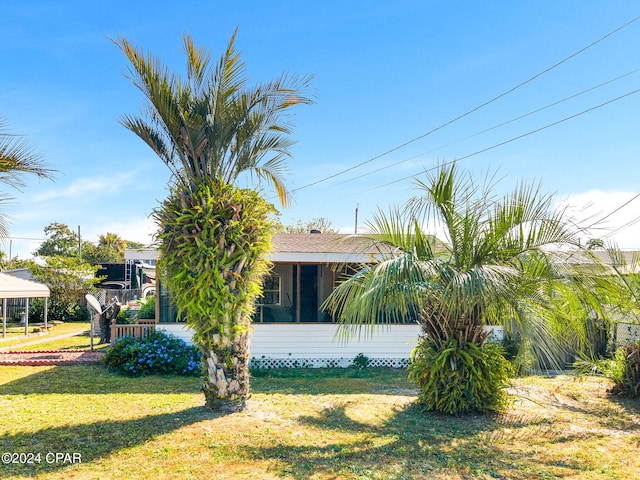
x,y
289,328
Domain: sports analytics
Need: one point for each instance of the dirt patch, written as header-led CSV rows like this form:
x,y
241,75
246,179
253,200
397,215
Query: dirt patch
x,y
50,357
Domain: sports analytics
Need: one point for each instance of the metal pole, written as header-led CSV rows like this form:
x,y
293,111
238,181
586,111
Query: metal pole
x,y
91,332
4,317
46,307
26,318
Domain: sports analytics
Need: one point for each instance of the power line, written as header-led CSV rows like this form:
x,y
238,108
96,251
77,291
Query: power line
x,y
622,227
469,112
512,139
614,211
494,127
26,238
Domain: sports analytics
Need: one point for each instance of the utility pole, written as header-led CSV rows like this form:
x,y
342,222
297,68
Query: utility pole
x,y
79,243
356,230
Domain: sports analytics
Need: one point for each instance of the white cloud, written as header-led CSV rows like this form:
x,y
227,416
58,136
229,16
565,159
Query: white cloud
x,y
82,188
606,215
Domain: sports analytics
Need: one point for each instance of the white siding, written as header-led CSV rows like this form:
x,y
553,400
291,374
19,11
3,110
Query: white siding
x,y
180,330
319,345
323,341
320,341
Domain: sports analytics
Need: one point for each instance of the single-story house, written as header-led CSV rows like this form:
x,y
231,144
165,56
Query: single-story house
x,y
289,328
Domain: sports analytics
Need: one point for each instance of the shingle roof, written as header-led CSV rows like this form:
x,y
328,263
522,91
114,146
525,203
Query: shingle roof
x,y
322,243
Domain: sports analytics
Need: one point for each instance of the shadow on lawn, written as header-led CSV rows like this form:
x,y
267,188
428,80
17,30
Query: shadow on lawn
x,y
93,440
92,380
414,444
327,381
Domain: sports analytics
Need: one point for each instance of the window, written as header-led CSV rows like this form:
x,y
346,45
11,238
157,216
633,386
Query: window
x,y
270,291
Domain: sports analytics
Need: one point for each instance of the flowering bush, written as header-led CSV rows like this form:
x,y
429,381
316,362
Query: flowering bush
x,y
158,354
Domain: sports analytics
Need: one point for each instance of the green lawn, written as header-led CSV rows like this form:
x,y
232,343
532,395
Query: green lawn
x,y
320,424
16,339
77,342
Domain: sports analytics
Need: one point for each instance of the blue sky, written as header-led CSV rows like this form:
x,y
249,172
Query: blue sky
x,y
384,74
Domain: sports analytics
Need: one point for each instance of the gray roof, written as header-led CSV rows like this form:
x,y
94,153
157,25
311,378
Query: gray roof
x,y
322,243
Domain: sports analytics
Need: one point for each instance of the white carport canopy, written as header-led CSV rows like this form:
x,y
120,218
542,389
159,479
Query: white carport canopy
x,y
16,287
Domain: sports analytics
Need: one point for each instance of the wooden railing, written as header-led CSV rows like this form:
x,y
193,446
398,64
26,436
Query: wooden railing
x,y
142,329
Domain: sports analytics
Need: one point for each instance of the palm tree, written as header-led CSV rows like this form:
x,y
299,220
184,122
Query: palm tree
x,y
114,242
503,263
209,128
17,159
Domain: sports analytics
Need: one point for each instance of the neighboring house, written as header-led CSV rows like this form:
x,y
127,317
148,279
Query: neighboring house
x,y
289,327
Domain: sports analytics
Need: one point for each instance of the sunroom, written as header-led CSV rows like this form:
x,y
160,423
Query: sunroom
x,y
289,327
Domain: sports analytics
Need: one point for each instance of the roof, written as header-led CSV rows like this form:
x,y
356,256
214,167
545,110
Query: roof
x,y
15,287
322,248
605,261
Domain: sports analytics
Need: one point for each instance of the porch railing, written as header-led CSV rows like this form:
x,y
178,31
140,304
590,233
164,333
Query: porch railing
x,y
142,329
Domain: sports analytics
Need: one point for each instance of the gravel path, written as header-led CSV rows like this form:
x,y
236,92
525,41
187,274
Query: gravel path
x,y
48,357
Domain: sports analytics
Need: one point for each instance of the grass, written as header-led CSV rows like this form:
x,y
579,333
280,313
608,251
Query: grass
x,y
308,424
17,341
78,342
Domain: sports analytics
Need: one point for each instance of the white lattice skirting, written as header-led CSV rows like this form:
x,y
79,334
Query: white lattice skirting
x,y
290,362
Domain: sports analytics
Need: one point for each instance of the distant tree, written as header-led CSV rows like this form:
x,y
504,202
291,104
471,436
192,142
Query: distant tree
x,y
113,241
595,244
69,279
95,254
16,159
321,224
61,240
135,245
13,263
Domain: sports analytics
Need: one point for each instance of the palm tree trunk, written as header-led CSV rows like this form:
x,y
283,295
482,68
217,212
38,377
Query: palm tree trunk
x,y
226,373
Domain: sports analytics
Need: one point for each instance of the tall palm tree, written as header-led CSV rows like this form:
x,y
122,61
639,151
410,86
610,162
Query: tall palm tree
x,y
209,128
503,263
17,158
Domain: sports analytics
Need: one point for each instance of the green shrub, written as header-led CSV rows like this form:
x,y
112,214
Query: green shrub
x,y
147,308
623,369
64,311
629,356
158,354
361,361
460,377
126,316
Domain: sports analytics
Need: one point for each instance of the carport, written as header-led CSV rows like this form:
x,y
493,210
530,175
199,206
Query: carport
x,y
18,287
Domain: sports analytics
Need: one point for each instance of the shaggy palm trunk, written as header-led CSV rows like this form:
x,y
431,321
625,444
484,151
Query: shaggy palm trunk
x,y
440,323
226,384
214,246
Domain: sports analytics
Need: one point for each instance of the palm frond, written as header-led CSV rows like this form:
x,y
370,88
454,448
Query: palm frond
x,y
211,123
17,158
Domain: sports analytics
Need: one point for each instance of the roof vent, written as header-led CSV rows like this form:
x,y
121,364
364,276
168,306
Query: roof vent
x,y
314,231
